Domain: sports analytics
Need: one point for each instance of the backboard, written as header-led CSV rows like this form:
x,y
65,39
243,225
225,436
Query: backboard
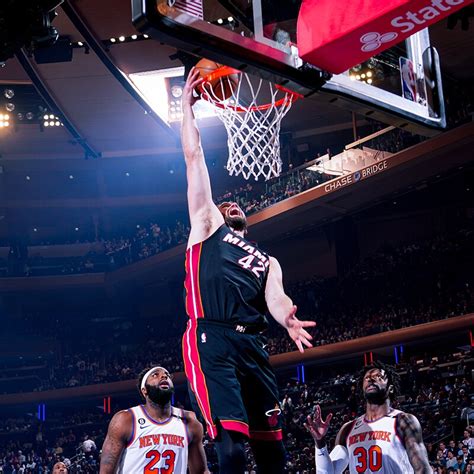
x,y
401,86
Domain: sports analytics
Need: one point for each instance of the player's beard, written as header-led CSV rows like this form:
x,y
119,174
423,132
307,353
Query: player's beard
x,y
158,395
377,397
237,223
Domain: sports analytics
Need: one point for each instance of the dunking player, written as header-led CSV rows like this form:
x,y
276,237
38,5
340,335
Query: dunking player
x,y
154,437
230,283
384,440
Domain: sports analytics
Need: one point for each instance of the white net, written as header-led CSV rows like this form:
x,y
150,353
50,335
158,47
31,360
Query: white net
x,y
253,130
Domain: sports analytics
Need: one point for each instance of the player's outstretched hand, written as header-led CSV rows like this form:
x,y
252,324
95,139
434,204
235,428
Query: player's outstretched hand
x,y
193,80
316,426
296,330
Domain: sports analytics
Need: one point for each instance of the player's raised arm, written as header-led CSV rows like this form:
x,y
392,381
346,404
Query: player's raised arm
x,y
282,308
337,461
204,216
197,462
409,430
118,435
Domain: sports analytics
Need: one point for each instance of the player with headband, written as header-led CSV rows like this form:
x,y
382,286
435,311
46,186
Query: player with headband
x,y
154,436
383,440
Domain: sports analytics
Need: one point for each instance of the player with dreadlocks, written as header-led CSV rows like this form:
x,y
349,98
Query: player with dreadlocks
x,y
383,440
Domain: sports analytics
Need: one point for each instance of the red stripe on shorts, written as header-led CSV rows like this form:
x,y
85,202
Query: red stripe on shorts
x,y
276,435
195,375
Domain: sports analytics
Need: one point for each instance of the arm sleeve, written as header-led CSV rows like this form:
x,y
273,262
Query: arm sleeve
x,y
333,463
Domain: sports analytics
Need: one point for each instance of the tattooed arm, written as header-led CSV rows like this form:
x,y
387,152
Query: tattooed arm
x,y
409,431
118,436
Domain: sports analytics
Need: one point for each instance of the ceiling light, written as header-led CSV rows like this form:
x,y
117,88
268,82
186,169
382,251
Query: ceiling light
x,y
51,124
358,77
35,230
220,21
51,116
6,117
45,117
10,106
19,116
127,174
134,37
80,43
113,40
9,93
57,123
352,77
6,124
146,36
76,228
369,81
29,115
369,73
362,76
230,19
46,124
27,178
71,176
122,38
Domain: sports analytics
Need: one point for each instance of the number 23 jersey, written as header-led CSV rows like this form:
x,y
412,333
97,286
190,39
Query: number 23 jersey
x,y
156,448
375,447
225,279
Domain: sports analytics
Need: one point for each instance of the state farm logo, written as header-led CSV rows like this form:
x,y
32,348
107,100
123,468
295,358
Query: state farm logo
x,y
373,40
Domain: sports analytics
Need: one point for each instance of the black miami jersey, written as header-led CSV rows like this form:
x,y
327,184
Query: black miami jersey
x,y
225,279
231,382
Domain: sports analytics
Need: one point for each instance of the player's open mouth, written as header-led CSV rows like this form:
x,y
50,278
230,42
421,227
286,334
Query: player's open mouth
x,y
164,385
235,212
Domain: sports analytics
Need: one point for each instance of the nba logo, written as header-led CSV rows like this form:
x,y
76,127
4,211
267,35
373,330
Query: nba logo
x,y
408,77
203,338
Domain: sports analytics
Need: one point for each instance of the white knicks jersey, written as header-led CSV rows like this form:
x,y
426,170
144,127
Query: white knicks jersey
x,y
374,446
156,448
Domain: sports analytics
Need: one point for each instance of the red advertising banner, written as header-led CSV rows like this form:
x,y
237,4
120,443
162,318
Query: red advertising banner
x,y
335,36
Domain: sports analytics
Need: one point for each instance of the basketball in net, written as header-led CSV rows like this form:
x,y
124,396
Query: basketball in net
x,y
221,88
252,110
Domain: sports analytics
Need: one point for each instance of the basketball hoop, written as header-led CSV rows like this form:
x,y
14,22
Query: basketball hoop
x,y
253,130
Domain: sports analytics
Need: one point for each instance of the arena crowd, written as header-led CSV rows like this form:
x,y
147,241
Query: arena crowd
x,y
437,389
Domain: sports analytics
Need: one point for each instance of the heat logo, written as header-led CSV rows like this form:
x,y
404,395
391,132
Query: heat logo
x,y
273,416
373,40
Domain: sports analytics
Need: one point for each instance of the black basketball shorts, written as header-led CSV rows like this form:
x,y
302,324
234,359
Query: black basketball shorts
x,y
231,382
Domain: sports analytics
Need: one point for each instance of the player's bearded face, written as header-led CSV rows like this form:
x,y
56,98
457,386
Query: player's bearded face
x,y
234,217
376,387
160,395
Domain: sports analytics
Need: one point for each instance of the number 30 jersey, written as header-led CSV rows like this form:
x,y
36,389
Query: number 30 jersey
x,y
225,279
375,447
156,448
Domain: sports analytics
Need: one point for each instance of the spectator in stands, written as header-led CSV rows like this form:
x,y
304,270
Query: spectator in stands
x,y
468,440
88,445
60,468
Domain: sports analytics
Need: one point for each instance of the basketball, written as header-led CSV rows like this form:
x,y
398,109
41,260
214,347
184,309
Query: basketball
x,y
221,88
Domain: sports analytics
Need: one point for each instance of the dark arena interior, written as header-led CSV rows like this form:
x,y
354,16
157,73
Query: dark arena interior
x,y
372,222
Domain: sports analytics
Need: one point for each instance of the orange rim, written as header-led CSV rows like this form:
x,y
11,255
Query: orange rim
x,y
224,71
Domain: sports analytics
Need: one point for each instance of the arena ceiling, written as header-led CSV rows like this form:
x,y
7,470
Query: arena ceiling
x,y
113,124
